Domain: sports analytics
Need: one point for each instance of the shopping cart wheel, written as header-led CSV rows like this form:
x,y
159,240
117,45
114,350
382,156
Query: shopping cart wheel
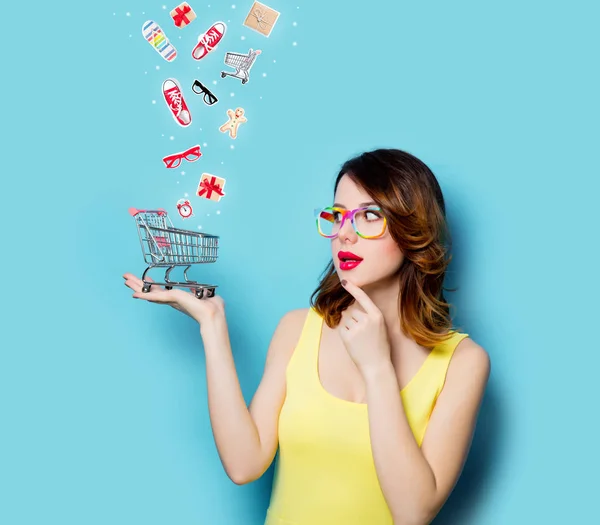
x,y
199,292
210,292
146,288
223,75
168,287
244,81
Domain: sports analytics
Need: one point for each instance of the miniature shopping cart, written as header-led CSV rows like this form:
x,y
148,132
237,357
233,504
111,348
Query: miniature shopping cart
x,y
165,246
241,63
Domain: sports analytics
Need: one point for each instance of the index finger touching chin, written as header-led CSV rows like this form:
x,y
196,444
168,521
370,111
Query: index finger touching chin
x,y
360,295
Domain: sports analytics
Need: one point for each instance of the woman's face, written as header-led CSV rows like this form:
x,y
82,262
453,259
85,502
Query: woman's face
x,y
381,257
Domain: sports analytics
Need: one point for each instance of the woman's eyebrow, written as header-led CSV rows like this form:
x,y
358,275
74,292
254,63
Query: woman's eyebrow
x,y
338,205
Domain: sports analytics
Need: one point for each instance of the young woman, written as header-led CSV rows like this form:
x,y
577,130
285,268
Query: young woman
x,y
370,396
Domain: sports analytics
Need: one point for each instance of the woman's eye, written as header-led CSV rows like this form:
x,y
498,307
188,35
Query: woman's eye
x,y
373,215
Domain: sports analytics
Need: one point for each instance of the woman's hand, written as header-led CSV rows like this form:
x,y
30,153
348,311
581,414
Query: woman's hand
x,y
364,333
202,310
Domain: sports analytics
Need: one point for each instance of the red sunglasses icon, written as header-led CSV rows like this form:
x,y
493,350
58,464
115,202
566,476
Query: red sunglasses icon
x,y
191,155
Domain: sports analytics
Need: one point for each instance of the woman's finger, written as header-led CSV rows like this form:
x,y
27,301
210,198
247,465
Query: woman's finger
x,y
154,297
131,277
136,284
135,278
157,293
351,318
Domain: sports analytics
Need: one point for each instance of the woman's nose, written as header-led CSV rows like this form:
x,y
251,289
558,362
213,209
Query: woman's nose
x,y
347,230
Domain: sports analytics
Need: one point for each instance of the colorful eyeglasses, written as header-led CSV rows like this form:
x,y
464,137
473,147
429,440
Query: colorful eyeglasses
x,y
191,155
201,89
368,222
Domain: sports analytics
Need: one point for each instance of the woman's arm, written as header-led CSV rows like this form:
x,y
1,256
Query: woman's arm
x,y
416,481
247,438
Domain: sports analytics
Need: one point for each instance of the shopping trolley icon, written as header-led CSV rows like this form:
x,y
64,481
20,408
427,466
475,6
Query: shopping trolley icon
x,y
165,246
241,63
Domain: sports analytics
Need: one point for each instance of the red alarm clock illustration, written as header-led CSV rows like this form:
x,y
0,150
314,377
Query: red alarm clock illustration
x,y
185,208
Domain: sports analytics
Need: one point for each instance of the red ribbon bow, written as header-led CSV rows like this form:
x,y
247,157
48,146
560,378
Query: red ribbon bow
x,y
180,15
209,186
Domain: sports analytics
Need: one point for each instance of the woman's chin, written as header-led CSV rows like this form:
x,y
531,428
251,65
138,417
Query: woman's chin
x,y
354,276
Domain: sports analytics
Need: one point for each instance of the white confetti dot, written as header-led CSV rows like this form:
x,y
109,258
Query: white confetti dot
x,y
114,14
177,182
233,6
222,162
154,102
127,14
218,212
163,135
183,173
274,61
171,138
208,214
157,68
145,72
200,129
295,24
205,144
164,7
294,43
179,38
143,12
261,98
130,36
185,195
232,146
232,94
215,82
199,227
264,74
243,37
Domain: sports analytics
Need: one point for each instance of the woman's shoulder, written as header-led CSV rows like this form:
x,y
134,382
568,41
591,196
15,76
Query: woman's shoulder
x,y
470,357
286,336
293,320
297,313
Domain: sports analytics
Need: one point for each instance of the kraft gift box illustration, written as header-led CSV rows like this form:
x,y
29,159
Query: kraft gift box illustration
x,y
261,18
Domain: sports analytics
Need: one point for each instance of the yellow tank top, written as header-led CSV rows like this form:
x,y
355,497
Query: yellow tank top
x,y
325,473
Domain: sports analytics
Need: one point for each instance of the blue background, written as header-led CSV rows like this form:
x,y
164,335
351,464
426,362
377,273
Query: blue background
x,y
103,409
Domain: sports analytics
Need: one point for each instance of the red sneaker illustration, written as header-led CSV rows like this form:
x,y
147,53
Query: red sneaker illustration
x,y
209,40
176,102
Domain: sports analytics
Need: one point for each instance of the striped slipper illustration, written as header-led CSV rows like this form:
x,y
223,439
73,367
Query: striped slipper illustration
x,y
158,40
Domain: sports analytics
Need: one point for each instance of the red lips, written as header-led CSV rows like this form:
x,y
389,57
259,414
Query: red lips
x,y
348,260
348,255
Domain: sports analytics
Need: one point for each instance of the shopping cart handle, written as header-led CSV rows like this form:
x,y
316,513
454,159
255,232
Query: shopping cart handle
x,y
134,211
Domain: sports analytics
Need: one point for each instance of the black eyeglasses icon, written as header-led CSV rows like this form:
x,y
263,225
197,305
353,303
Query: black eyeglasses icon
x,y
201,89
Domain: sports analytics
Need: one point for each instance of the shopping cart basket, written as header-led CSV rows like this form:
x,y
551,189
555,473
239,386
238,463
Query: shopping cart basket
x,y
165,246
241,63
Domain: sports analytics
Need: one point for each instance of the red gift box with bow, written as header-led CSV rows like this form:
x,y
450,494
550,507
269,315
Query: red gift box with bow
x,y
211,187
183,14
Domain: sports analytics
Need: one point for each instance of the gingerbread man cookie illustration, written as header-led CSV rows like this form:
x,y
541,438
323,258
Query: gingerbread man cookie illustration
x,y
235,119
